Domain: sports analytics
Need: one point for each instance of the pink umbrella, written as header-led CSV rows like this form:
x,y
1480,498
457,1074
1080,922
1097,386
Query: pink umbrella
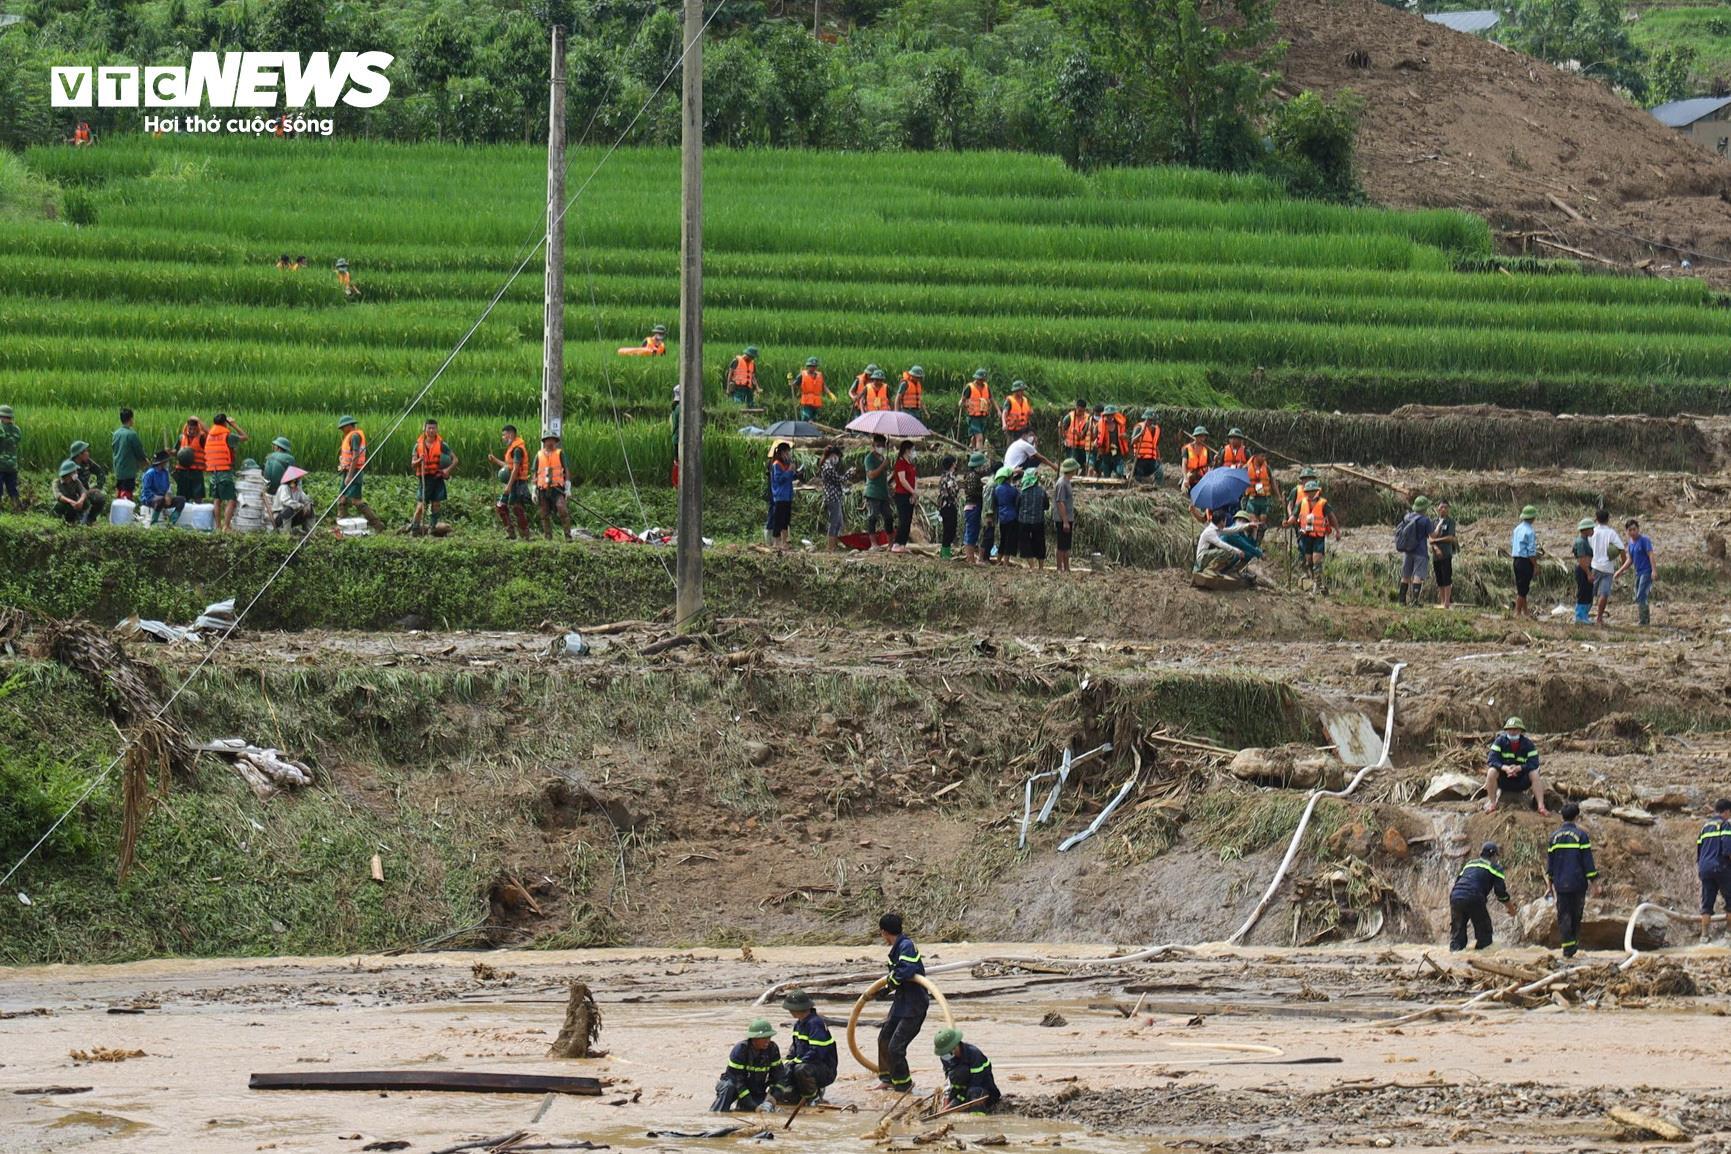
x,y
890,423
293,473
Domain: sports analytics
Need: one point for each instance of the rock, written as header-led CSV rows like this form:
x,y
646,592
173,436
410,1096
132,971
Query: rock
x,y
1598,806
1352,840
1634,815
1644,1124
1366,666
1394,844
827,725
758,752
1538,919
1295,767
1053,1018
1667,797
1452,787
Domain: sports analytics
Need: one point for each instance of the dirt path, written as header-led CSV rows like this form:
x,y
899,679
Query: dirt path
x,y
1506,1079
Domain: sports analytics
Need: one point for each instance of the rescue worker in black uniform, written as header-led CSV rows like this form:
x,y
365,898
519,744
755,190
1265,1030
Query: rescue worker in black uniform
x,y
810,1065
968,1071
908,1005
1468,900
745,1084
1569,869
1713,863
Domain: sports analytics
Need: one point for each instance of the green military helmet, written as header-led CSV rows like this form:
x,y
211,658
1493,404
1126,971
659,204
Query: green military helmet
x,y
1200,431
1239,433
1018,386
345,421
446,457
760,1028
659,330
1312,487
751,351
870,369
1242,517
67,468
797,1001
5,410
1307,474
980,374
1111,410
1529,513
1516,724
1420,504
976,460
186,456
77,448
878,375
811,362
283,444
1586,523
947,1040
504,474
918,372
1147,414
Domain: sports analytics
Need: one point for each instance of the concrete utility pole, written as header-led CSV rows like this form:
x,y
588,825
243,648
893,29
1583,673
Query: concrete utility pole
x,y
689,599
553,314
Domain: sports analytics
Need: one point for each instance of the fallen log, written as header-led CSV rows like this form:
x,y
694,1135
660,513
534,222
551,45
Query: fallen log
x,y
453,1080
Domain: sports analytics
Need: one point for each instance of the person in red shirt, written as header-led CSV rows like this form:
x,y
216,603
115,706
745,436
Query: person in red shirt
x,y
902,484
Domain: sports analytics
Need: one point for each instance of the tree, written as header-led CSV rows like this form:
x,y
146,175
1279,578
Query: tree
x,y
1315,140
1589,35
439,52
1197,71
1079,92
293,26
1668,72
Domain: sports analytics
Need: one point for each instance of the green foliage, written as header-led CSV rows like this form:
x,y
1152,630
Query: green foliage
x,y
1314,144
1697,39
79,208
1668,74
1591,33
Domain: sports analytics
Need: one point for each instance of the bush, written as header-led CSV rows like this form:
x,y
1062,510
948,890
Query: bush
x,y
80,207
1314,140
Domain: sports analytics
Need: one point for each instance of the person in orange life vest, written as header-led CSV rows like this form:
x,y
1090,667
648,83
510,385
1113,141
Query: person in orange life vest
x,y
1235,453
741,377
1076,432
1259,498
432,462
515,499
856,391
809,390
911,393
656,341
976,406
351,464
1145,448
1111,442
189,461
219,442
552,483
346,282
1018,412
1314,521
876,398
1198,458
81,135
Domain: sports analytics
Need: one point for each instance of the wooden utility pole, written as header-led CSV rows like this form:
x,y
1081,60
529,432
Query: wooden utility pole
x,y
689,577
553,313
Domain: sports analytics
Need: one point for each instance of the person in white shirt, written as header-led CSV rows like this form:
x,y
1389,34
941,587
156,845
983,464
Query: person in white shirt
x,y
1607,546
1023,449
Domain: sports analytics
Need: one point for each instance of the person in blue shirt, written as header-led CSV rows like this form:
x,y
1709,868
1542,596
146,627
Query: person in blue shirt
x,y
1468,904
1569,871
1713,862
1524,551
810,1065
908,1004
1639,556
1006,500
1513,766
153,491
782,474
968,1072
744,1086
1412,538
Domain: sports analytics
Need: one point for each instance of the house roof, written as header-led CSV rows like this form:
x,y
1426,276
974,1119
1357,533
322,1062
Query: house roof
x,y
1480,20
1682,113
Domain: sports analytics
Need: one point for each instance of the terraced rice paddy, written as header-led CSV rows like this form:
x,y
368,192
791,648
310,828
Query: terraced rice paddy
x,y
1153,286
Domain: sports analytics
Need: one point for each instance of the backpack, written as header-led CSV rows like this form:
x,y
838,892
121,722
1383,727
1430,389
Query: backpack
x,y
1406,535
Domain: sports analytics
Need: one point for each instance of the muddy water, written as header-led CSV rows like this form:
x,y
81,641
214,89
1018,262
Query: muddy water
x,y
670,1018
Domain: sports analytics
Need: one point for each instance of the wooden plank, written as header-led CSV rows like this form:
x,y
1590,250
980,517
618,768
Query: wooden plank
x,y
1559,203
454,1080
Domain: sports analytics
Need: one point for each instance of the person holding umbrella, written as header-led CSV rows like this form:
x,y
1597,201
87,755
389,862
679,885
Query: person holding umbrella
x,y
1217,495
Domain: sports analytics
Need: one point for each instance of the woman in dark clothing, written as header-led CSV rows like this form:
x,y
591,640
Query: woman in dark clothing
x,y
902,485
1031,520
1006,499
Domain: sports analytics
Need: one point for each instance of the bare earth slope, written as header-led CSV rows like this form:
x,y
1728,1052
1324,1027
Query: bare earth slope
x,y
1455,121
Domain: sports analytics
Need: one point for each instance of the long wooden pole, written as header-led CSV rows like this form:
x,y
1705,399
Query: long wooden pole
x,y
689,570
553,305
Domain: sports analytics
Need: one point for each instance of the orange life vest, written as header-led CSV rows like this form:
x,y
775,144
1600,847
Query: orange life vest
x,y
859,387
517,460
1076,428
196,444
1147,441
1195,457
430,451
978,398
550,469
1017,410
1234,455
742,373
876,397
1261,480
351,457
1313,516
218,457
811,388
81,135
655,344
1111,437
913,393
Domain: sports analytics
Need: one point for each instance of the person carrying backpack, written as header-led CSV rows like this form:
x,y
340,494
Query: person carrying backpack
x,y
1412,541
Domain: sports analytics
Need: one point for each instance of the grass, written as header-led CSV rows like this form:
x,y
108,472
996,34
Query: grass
x,y
1704,28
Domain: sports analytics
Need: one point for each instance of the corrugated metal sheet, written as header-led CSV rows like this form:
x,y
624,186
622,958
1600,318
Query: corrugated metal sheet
x,y
1683,113
1472,23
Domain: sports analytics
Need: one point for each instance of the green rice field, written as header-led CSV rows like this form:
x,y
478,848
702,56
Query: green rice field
x,y
1157,286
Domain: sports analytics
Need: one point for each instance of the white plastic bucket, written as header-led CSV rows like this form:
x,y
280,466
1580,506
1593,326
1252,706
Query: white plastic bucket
x,y
122,512
200,517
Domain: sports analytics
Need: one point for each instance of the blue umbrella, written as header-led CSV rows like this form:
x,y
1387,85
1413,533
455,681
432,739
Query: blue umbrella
x,y
1220,488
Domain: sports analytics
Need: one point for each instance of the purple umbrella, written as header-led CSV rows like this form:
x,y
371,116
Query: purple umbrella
x,y
890,423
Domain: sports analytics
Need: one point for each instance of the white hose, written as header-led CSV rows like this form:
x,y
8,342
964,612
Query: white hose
x,y
1153,951
1629,930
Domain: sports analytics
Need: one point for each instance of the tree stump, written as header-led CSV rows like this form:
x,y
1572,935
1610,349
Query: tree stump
x,y
582,1027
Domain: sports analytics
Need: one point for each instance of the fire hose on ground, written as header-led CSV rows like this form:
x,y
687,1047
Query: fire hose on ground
x,y
872,992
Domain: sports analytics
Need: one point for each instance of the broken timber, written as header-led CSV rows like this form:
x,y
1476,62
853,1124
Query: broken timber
x,y
454,1080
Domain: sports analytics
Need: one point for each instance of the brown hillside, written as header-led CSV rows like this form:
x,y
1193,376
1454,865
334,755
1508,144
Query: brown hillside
x,y
1452,120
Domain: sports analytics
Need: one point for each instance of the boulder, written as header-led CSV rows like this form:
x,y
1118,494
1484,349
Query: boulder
x,y
1394,844
1669,797
1597,806
1601,929
1295,767
1632,814
1452,787
1352,840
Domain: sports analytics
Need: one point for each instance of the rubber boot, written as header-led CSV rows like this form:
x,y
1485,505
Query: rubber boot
x,y
944,552
1581,614
1646,618
1402,595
